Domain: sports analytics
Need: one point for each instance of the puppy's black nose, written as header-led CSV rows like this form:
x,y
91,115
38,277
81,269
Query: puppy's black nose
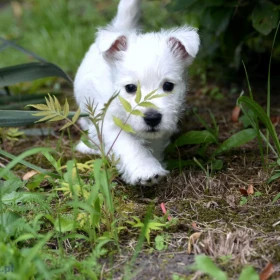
x,y
152,118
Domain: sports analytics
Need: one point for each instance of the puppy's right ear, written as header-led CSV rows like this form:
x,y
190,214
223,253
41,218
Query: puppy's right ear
x,y
111,44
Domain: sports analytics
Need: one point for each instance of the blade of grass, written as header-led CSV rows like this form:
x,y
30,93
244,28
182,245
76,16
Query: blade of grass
x,y
268,82
15,118
141,239
18,159
23,98
255,120
21,49
28,164
260,113
29,72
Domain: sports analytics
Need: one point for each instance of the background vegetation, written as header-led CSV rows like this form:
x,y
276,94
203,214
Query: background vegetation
x,y
231,31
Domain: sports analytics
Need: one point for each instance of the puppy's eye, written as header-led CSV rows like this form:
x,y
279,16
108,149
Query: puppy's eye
x,y
167,86
131,88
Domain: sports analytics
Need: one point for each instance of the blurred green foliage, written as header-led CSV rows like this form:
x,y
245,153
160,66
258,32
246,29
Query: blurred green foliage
x,y
58,30
232,31
62,30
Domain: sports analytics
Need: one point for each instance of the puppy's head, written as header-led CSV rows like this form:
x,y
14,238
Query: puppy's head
x,y
158,61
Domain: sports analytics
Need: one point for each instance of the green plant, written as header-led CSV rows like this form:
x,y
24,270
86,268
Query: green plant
x,y
148,226
206,265
231,31
254,113
203,139
160,242
245,199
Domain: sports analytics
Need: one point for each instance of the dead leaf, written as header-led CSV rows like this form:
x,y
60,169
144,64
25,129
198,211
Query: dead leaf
x,y
267,272
195,227
193,238
250,190
29,175
275,120
163,209
243,191
235,114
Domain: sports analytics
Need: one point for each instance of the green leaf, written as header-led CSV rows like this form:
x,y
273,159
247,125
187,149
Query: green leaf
x,y
265,17
61,224
260,113
55,163
274,177
29,72
148,96
49,102
57,105
159,242
137,113
125,127
7,222
49,117
217,164
236,140
20,197
66,125
16,118
126,105
249,273
41,107
158,96
19,158
195,137
76,116
66,108
206,265
138,94
277,196
30,165
147,104
10,185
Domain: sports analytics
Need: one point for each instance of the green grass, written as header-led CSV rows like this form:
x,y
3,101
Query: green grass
x,y
62,30
59,31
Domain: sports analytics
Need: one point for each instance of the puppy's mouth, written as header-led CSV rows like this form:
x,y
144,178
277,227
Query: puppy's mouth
x,y
151,133
152,130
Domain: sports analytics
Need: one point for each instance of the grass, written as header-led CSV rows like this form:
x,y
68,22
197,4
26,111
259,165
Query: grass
x,y
60,31
66,217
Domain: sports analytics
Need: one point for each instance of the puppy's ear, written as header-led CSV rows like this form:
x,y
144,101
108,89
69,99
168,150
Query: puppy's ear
x,y
111,44
184,43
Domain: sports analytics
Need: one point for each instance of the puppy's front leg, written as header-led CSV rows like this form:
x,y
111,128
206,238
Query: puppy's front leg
x,y
137,164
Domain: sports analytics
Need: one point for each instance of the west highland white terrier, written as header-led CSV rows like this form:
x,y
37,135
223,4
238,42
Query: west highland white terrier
x,y
119,60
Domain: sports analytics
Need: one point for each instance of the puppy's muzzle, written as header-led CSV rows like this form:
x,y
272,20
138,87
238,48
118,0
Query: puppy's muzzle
x,y
152,118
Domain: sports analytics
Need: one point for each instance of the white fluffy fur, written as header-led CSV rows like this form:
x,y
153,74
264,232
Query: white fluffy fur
x,y
122,56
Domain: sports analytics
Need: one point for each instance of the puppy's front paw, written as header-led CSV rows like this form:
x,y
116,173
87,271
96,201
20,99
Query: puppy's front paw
x,y
146,176
151,181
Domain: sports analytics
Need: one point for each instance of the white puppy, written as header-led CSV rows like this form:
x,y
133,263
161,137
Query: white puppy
x,y
120,58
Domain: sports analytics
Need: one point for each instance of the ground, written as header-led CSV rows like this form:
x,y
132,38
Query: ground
x,y
212,213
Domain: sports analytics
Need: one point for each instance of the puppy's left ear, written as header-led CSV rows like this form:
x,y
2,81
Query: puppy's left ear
x,y
111,44
184,43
